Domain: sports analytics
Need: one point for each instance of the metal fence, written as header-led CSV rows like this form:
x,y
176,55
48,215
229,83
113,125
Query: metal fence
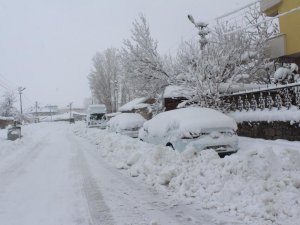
x,y
272,96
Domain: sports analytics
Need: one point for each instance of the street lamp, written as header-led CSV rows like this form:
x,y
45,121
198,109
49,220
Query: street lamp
x,y
203,31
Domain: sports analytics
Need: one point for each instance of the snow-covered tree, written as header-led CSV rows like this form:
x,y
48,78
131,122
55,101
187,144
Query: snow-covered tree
x,y
142,64
7,108
231,55
105,79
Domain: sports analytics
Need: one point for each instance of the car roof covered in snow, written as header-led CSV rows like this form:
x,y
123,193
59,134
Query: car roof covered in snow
x,y
126,121
193,119
96,109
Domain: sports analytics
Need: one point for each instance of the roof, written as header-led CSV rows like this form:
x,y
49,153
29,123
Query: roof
x,y
173,91
6,118
136,103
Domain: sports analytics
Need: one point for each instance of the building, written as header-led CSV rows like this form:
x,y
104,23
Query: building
x,y
5,121
174,95
286,45
142,106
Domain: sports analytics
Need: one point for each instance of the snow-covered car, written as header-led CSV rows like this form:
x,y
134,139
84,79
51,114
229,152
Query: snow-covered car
x,y
201,128
95,116
126,123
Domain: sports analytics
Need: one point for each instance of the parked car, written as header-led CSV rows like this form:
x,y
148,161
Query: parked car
x,y
95,116
126,123
201,128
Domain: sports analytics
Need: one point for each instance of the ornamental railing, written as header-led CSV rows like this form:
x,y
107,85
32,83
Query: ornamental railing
x,y
269,97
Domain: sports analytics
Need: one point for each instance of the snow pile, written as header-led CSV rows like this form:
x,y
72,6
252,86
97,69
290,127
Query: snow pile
x,y
188,120
30,136
293,114
258,185
125,121
134,104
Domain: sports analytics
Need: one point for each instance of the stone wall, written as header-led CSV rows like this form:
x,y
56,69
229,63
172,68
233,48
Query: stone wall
x,y
270,130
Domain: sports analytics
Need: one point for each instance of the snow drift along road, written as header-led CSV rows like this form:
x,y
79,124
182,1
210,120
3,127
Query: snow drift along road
x,y
258,185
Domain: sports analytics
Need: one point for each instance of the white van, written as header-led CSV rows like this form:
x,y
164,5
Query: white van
x,y
95,116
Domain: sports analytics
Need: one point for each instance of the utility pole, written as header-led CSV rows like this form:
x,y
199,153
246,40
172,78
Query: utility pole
x,y
36,114
20,90
70,108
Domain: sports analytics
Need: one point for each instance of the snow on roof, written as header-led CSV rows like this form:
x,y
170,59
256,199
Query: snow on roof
x,y
6,118
136,103
293,114
173,91
63,116
193,119
126,121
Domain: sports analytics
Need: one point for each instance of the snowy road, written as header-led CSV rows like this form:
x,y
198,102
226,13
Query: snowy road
x,y
54,177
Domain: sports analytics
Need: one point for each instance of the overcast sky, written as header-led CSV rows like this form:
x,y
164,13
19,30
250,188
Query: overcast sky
x,y
47,45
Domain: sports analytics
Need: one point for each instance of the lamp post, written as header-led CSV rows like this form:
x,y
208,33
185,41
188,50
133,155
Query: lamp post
x,y
203,31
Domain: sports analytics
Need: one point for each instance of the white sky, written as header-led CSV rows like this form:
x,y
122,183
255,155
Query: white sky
x,y
47,45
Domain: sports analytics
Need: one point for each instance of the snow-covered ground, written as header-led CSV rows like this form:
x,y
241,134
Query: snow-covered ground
x,y
258,185
52,176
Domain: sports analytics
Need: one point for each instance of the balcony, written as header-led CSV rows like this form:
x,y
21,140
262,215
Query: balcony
x,y
268,6
277,46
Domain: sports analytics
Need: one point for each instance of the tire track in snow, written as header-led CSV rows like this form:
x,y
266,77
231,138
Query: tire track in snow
x,y
98,210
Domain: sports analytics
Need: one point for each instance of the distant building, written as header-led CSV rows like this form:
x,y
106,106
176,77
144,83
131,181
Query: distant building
x,y
5,121
286,45
48,110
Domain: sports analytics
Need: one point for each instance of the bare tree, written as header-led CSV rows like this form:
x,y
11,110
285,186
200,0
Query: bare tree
x,y
7,108
105,79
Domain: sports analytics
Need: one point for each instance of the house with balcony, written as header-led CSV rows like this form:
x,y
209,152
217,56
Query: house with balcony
x,y
286,45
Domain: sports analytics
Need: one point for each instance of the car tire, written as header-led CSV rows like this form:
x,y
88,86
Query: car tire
x,y
170,145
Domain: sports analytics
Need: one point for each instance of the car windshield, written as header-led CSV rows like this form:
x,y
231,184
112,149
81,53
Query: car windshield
x,y
97,116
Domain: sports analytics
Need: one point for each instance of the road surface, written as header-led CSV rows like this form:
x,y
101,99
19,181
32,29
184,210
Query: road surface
x,y
53,177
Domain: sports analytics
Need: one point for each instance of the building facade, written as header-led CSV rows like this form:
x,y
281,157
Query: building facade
x,y
286,45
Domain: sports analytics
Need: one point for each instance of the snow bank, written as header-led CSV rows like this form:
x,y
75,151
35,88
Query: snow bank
x,y
293,114
258,185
